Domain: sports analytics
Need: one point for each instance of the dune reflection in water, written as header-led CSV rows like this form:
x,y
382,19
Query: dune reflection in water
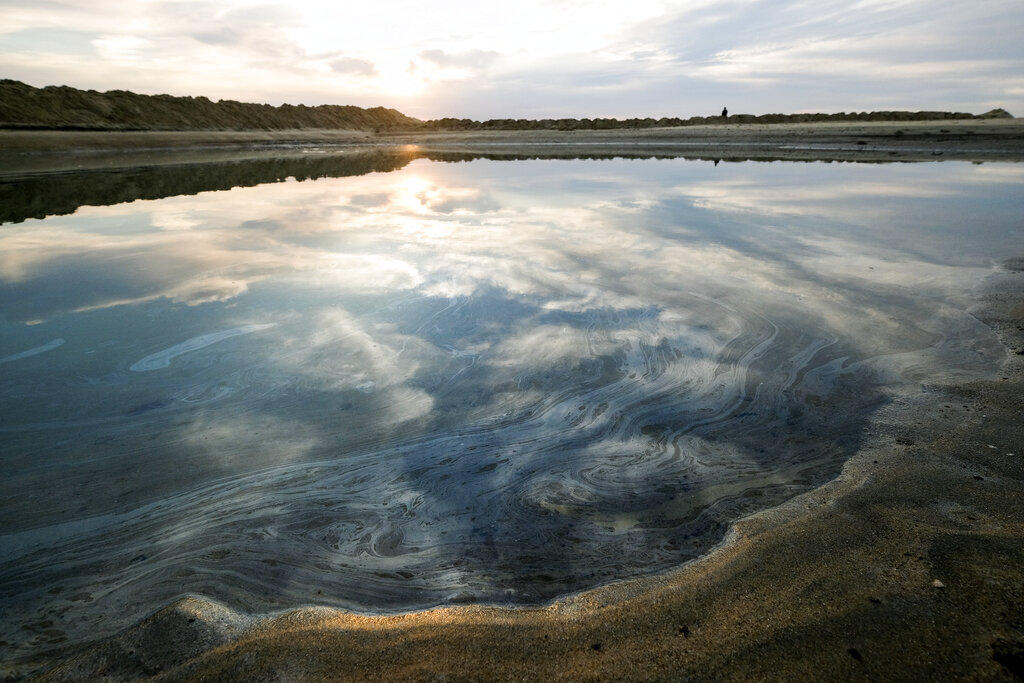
x,y
488,382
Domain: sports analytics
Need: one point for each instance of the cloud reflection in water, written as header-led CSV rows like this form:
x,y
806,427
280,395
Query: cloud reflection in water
x,y
487,381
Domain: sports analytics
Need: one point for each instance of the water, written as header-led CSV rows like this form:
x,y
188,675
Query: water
x,y
411,382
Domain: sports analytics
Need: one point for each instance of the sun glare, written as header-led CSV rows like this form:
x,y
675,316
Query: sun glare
x,y
401,84
412,193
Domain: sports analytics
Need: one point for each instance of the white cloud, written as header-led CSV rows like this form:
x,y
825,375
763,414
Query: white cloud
x,y
471,59
536,58
117,48
354,66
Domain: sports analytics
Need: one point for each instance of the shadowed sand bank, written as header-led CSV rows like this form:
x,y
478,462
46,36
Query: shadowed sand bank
x,y
910,565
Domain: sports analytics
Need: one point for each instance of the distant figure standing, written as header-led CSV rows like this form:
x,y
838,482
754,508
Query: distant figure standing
x,y
725,113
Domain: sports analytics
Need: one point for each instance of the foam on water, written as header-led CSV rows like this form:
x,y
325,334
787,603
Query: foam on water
x,y
162,359
49,346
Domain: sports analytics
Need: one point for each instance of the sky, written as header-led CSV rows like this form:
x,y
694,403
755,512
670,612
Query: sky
x,y
533,58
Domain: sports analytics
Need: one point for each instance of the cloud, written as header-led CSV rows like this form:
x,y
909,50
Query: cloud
x,y
541,58
220,36
471,59
48,41
353,66
852,55
120,47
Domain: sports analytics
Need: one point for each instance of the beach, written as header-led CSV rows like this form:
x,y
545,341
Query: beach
x,y
972,139
907,566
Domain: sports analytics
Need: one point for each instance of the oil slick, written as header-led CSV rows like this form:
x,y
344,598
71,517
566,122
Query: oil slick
x,y
49,346
162,359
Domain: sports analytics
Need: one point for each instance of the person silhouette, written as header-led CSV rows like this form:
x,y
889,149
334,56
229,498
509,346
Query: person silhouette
x,y
725,113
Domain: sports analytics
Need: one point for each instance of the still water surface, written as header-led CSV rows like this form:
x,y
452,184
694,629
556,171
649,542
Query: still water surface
x,y
494,381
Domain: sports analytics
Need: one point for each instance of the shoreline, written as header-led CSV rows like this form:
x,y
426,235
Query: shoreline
x,y
81,169
974,139
909,564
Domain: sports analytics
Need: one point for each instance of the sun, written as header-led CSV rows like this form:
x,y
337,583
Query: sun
x,y
401,83
398,75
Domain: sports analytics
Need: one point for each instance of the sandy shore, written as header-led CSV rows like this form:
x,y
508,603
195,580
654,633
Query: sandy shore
x,y
975,140
76,140
909,566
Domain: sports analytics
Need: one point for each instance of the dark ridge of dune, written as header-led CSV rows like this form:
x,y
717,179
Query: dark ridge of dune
x,y
66,108
674,122
999,113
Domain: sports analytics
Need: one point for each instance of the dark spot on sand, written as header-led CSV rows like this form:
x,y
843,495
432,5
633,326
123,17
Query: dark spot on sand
x,y
855,653
596,647
1011,655
875,601
978,477
904,441
685,631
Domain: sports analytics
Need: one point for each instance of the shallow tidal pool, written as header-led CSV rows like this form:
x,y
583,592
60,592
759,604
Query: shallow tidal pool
x,y
494,381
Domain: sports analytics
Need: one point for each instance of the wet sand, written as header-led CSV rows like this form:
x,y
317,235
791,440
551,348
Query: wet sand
x,y
908,566
973,139
978,139
21,141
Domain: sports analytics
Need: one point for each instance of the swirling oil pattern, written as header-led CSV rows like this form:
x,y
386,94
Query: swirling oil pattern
x,y
491,381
